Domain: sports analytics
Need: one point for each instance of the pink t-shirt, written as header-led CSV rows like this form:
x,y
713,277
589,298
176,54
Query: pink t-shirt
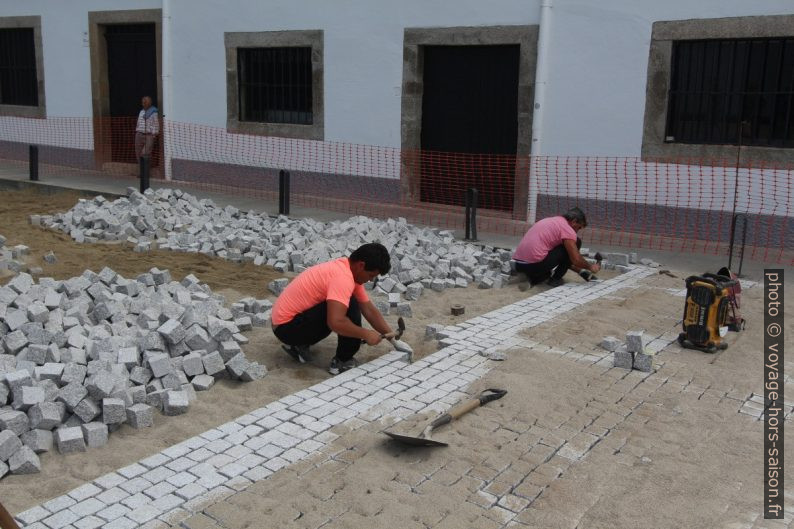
x,y
332,280
544,235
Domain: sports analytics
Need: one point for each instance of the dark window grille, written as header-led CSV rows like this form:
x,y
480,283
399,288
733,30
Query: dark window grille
x,y
18,81
716,85
275,85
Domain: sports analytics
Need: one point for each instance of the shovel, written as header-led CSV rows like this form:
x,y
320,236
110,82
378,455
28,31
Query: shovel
x,y
424,439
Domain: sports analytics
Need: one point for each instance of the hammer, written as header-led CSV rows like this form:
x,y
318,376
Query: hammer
x,y
587,275
394,338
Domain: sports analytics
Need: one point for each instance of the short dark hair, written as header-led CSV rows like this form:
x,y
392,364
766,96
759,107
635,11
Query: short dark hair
x,y
575,214
375,257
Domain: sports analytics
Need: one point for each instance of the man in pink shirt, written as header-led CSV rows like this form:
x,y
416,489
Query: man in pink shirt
x,y
552,244
330,297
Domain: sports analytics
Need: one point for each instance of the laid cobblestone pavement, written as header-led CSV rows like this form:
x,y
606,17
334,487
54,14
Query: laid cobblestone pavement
x,y
317,458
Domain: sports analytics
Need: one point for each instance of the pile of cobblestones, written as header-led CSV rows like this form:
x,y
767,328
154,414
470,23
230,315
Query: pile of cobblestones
x,y
80,357
634,354
172,219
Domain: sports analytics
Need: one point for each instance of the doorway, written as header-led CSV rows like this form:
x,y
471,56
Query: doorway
x,y
125,50
469,126
132,73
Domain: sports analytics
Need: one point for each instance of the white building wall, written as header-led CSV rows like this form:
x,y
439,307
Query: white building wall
x,y
362,53
363,64
595,102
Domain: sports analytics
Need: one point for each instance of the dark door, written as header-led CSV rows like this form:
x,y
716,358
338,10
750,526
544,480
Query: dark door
x,y
470,107
132,73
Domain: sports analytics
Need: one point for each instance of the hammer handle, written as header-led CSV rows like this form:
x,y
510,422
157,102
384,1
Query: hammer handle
x,y
388,336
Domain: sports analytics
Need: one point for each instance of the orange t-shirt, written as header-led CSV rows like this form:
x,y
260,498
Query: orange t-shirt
x,y
332,280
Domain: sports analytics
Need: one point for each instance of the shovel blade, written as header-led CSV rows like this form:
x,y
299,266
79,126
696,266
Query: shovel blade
x,y
411,440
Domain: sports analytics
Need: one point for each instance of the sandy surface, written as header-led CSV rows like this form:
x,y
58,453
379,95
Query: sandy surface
x,y
226,400
672,449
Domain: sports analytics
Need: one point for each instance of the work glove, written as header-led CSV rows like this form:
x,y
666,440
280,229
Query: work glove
x,y
587,275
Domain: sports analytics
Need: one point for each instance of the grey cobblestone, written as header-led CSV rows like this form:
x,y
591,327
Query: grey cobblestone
x,y
61,519
33,515
84,491
136,500
89,522
109,481
87,507
135,485
131,471
113,495
112,512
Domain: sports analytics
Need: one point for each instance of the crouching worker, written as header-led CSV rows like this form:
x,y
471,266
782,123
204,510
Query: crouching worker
x,y
550,247
330,297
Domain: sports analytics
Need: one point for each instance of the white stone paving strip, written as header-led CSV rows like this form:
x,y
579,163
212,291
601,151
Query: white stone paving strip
x,y
181,479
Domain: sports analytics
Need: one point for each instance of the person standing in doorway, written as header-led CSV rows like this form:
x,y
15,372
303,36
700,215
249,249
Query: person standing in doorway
x,y
147,128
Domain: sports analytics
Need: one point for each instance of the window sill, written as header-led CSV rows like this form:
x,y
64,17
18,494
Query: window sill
x,y
23,111
717,155
282,130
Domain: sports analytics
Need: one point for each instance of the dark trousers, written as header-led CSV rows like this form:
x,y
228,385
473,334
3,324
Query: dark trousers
x,y
557,259
311,326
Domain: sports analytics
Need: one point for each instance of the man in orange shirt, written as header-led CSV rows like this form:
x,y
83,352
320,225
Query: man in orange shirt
x,y
330,297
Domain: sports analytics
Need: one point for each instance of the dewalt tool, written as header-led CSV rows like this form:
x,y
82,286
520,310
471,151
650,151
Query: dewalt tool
x,y
705,312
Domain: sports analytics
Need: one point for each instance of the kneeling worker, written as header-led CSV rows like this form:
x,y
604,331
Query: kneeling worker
x,y
330,297
552,244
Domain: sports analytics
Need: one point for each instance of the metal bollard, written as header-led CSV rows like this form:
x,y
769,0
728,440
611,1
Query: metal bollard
x,y
144,172
475,198
472,197
467,216
283,192
734,221
33,162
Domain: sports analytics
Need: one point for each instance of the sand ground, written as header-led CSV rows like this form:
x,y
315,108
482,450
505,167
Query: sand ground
x,y
668,450
572,444
226,400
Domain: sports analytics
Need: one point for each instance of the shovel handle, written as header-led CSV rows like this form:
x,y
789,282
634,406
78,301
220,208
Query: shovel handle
x,y
465,407
6,520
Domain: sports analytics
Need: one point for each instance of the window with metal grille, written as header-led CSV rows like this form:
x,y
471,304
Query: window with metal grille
x,y
721,87
18,82
275,85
